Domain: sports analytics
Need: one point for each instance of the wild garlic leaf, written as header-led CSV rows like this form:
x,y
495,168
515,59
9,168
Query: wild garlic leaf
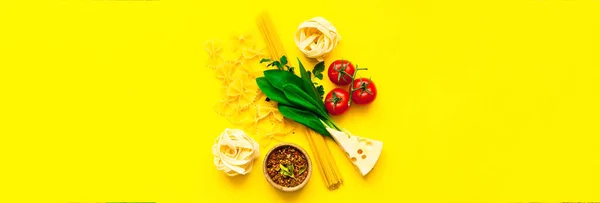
x,y
304,117
308,85
278,78
301,99
272,92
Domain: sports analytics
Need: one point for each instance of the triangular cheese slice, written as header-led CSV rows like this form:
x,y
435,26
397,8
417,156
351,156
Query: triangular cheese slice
x,y
363,152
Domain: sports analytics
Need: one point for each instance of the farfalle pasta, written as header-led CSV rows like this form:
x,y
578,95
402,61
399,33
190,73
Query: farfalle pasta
x,y
234,152
316,38
240,100
215,59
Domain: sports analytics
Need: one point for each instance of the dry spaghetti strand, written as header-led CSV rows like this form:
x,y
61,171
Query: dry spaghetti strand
x,y
265,24
329,169
322,155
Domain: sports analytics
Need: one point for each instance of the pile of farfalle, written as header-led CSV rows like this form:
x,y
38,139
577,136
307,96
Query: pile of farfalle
x,y
241,102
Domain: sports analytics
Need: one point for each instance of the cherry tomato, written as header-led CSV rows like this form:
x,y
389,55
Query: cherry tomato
x,y
337,101
363,91
340,72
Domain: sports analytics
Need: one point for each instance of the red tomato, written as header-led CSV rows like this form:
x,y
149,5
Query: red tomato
x,y
340,72
337,101
363,91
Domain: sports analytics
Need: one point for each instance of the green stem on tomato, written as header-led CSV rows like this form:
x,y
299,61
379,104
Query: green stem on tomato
x,y
352,84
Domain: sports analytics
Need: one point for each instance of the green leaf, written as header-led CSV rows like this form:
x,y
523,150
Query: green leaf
x,y
276,64
301,170
278,78
305,118
283,168
265,60
289,171
283,60
318,70
272,92
299,98
321,91
307,84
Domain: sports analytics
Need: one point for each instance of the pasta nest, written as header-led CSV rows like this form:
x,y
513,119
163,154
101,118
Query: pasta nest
x,y
234,152
316,38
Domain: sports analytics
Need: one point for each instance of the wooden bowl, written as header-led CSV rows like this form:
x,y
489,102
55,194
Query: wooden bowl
x,y
284,188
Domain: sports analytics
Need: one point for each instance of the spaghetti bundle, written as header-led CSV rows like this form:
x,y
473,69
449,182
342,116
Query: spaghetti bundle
x,y
270,35
324,159
330,172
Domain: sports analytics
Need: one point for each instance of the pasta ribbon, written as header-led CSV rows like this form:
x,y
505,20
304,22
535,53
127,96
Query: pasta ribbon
x,y
234,152
316,38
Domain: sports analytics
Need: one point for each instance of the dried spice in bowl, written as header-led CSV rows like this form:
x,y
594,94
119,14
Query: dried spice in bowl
x,y
287,166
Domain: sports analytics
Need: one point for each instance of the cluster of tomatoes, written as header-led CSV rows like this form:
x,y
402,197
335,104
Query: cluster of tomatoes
x,y
361,90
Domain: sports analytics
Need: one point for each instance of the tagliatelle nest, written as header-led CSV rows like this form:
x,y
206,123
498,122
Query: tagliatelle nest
x,y
234,152
241,101
316,38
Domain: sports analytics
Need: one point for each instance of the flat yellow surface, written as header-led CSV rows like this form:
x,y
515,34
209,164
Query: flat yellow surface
x,y
479,101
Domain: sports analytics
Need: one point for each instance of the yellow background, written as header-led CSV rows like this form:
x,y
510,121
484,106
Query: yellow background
x,y
479,101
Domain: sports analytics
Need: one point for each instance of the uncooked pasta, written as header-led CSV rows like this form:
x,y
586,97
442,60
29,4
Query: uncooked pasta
x,y
322,155
316,38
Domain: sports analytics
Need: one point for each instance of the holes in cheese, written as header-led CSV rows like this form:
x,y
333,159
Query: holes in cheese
x,y
367,149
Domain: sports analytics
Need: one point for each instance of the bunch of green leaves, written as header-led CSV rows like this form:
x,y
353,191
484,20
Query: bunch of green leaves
x,y
281,64
297,97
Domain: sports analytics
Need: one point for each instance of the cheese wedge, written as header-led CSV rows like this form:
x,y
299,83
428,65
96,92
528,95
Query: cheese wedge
x,y
363,152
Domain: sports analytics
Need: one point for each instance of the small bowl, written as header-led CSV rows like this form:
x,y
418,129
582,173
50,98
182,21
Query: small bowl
x,y
284,188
